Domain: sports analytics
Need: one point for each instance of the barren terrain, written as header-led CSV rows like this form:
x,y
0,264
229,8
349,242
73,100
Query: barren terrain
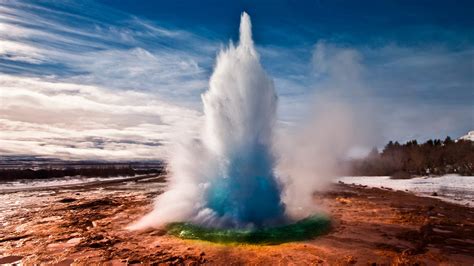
x,y
79,225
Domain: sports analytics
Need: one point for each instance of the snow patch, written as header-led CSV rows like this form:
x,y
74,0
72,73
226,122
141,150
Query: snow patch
x,y
451,188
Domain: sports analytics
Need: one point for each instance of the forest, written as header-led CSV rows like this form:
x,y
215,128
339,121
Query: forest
x,y
434,157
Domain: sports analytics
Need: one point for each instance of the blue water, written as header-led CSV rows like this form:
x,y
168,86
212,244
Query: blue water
x,y
247,192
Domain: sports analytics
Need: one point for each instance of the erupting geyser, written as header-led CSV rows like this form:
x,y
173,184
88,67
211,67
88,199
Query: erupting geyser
x,y
226,179
240,112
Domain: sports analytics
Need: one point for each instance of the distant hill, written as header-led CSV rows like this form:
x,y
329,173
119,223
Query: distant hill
x,y
33,167
40,162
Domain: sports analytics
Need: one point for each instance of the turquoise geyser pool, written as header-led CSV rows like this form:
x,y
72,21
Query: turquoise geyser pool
x,y
307,228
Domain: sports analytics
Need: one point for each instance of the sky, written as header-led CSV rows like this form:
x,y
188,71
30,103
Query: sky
x,y
121,79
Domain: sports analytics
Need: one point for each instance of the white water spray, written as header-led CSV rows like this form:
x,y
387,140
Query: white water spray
x,y
227,178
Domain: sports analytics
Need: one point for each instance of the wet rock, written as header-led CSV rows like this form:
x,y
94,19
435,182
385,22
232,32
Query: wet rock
x,y
96,245
13,238
99,241
175,260
10,259
65,262
67,200
97,237
95,204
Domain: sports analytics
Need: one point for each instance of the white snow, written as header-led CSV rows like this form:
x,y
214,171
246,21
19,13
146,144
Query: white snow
x,y
469,136
452,188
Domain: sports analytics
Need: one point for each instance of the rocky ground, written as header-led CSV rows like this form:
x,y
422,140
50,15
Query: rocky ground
x,y
86,225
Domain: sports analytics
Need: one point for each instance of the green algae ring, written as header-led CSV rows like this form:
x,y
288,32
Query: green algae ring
x,y
305,229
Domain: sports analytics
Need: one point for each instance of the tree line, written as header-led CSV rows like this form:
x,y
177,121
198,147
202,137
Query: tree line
x,y
434,157
95,171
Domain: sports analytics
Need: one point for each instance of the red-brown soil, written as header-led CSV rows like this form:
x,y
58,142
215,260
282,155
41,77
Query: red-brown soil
x,y
370,226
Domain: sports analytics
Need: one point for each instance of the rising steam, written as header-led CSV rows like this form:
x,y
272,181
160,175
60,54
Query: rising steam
x,y
238,174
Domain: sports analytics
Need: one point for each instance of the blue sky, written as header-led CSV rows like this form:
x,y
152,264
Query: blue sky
x,y
117,79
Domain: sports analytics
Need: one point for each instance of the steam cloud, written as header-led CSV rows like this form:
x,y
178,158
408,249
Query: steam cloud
x,y
238,174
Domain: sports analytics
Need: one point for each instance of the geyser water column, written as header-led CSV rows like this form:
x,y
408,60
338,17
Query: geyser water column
x,y
239,110
222,186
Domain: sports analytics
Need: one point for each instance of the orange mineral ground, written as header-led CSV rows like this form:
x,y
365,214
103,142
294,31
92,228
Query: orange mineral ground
x,y
85,225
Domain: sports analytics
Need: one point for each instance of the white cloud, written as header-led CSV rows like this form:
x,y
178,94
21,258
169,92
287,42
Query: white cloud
x,y
17,51
134,55
96,88
76,121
